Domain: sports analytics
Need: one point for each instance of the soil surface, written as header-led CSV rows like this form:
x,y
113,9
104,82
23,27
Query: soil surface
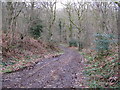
x,y
64,71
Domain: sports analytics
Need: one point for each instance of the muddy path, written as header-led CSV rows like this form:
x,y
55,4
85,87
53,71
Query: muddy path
x,y
64,71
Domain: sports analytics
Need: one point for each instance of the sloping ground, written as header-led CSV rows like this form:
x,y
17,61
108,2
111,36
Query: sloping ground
x,y
58,72
103,71
22,52
20,47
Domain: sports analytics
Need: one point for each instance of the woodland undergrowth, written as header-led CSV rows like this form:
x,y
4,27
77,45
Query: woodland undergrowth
x,y
24,52
103,71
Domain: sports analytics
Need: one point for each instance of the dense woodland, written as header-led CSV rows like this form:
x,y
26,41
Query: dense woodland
x,y
32,30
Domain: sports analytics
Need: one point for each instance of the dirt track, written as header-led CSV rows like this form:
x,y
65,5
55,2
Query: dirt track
x,y
64,71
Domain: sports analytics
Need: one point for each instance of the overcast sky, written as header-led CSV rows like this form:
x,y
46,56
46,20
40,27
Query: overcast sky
x,y
59,5
63,0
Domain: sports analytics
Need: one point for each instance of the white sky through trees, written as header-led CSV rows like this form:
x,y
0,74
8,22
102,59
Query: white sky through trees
x,y
59,5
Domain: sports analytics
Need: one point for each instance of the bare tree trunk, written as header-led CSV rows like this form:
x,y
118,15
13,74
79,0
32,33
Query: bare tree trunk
x,y
68,8
52,11
79,11
12,17
118,23
10,14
